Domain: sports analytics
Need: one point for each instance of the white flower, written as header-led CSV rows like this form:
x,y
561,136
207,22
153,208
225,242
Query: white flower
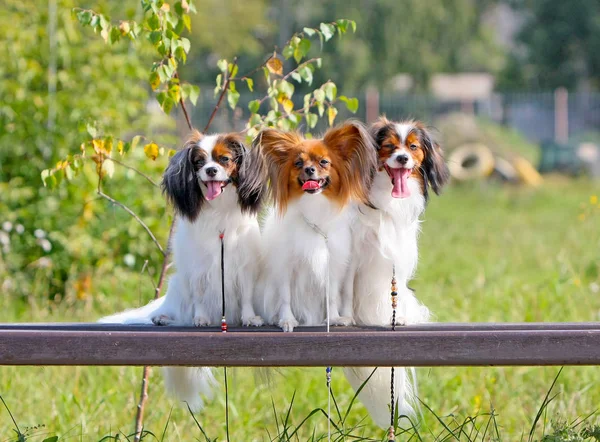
x,y
4,238
19,228
7,226
595,287
39,233
45,244
129,260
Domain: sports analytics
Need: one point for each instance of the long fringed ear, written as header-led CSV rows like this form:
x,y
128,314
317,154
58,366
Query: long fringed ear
x,y
356,152
180,182
380,130
251,179
434,168
276,148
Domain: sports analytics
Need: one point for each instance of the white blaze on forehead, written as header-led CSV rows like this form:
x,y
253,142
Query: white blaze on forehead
x,y
208,143
403,130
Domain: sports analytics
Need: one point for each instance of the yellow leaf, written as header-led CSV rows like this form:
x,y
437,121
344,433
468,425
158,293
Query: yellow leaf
x,y
120,147
171,152
124,27
98,145
331,114
151,151
275,65
165,7
288,105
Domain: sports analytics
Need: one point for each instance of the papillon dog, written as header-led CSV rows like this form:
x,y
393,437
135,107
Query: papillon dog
x,y
307,237
409,163
216,186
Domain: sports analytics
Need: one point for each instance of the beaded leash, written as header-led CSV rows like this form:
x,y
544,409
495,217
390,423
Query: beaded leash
x,y
391,435
327,369
224,328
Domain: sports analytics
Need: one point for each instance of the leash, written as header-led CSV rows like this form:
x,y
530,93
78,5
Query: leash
x,y
391,435
328,369
224,328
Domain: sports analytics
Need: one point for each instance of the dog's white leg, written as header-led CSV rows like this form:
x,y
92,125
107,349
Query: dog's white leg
x,y
287,320
201,316
249,317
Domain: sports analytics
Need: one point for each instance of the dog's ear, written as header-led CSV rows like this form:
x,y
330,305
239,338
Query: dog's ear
x,y
180,180
251,176
277,150
355,151
380,130
277,146
434,168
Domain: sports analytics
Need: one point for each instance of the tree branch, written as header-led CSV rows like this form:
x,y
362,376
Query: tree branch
x,y
137,218
150,180
223,92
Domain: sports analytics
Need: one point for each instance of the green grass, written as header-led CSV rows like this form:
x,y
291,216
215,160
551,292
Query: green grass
x,y
487,254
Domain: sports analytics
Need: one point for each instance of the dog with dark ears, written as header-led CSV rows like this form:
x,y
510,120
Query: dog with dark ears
x,y
409,164
217,186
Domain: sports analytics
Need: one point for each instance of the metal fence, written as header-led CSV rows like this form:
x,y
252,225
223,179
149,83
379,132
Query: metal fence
x,y
541,116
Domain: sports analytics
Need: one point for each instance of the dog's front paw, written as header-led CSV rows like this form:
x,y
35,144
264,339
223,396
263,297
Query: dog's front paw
x,y
288,324
201,321
163,320
339,320
253,321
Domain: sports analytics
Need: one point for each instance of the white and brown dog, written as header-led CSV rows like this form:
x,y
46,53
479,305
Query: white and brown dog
x,y
216,186
410,162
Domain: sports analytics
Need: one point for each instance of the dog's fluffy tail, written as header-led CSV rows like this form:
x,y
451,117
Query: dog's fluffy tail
x,y
142,315
375,394
190,384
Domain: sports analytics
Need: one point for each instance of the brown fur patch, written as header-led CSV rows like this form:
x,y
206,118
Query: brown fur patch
x,y
223,154
349,156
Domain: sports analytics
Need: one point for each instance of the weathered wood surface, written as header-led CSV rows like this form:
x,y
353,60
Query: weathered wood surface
x,y
422,345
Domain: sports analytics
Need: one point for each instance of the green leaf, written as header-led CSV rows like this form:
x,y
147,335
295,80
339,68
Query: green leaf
x,y
295,118
250,84
108,167
92,130
255,120
155,37
321,109
222,65
351,103
192,92
232,97
186,45
254,106
296,76
218,86
331,114
309,31
84,17
301,49
306,72
311,120
330,90
288,51
187,22
319,95
135,141
51,439
328,30
154,83
342,25
286,88
153,22
233,70
353,24
319,62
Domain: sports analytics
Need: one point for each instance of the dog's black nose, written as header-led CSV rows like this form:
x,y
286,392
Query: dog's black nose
x,y
211,171
310,170
402,158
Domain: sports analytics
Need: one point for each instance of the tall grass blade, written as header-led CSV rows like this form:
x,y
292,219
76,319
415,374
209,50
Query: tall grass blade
x,y
545,403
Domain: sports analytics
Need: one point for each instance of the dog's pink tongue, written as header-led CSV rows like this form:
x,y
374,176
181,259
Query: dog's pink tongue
x,y
310,185
400,189
214,190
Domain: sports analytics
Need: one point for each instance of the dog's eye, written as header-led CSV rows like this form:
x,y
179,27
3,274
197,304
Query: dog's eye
x,y
413,147
299,164
224,159
324,162
389,146
199,162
